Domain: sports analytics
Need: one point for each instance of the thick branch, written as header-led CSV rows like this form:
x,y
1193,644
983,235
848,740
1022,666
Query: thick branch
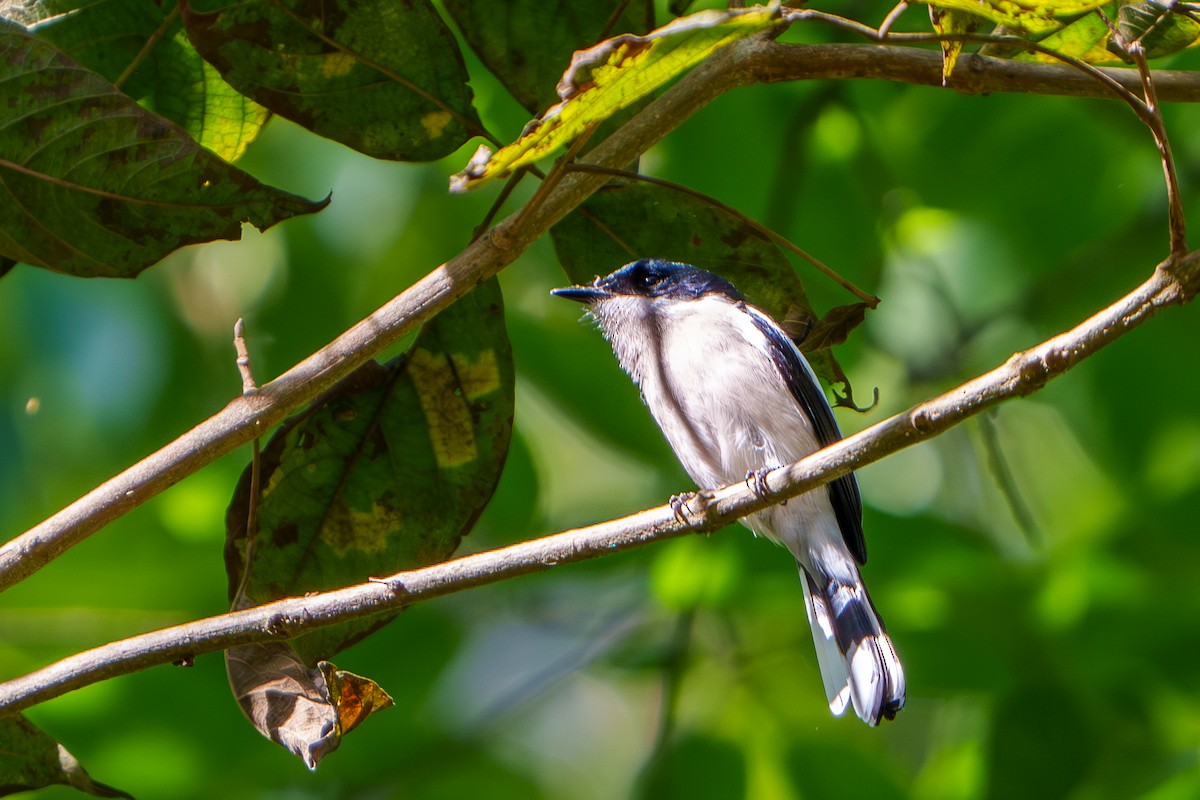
x,y
745,62
1023,373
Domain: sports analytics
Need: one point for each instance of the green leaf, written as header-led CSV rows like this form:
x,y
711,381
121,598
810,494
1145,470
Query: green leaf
x,y
1160,28
614,75
142,44
384,78
1085,38
1039,17
527,43
93,184
387,472
30,759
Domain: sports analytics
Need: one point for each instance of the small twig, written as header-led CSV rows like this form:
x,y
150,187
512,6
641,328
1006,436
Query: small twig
x,y
613,19
673,668
607,231
249,387
151,41
870,299
1176,219
885,27
498,203
243,357
552,179
1006,480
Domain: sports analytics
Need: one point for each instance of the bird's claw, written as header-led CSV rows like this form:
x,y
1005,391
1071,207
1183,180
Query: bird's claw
x,y
678,503
756,481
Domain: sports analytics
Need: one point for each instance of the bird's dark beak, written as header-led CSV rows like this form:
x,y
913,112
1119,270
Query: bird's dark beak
x,y
581,294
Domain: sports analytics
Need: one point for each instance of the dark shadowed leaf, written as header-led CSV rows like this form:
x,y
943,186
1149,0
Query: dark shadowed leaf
x,y
612,76
833,328
386,472
383,77
624,222
29,759
141,43
528,43
1159,27
93,184
307,711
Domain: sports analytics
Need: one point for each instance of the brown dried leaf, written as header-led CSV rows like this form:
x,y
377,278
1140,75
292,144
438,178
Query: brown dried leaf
x,y
288,702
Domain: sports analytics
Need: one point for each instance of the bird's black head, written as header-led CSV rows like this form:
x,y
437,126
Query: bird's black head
x,y
653,277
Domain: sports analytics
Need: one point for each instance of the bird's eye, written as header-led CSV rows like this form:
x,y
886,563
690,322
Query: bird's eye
x,y
649,279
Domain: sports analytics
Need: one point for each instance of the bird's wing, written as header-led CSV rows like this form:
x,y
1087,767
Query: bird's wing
x,y
803,384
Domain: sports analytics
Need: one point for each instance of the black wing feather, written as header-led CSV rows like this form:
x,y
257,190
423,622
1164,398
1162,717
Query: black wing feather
x,y
804,386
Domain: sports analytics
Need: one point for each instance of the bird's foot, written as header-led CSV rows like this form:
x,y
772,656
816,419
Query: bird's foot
x,y
756,481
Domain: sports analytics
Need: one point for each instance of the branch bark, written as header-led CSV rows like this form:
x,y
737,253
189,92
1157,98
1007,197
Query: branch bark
x,y
1173,283
745,62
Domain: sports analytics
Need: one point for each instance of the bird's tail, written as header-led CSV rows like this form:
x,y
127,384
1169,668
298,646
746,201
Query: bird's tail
x,y
858,662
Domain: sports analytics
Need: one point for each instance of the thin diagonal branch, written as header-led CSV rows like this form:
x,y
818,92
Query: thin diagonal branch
x,y
745,62
1173,283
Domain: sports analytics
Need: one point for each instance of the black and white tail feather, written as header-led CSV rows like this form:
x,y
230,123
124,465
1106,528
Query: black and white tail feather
x,y
858,663
733,395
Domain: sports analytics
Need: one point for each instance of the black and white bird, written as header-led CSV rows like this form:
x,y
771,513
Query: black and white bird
x,y
734,396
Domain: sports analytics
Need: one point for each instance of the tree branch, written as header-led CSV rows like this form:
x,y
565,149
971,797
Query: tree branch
x,y
1173,283
745,62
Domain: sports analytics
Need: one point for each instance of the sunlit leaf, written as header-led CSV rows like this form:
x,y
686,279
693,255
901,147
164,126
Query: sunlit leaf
x,y
93,184
1159,27
354,696
142,44
1085,38
528,43
386,472
1033,18
382,77
30,759
949,20
307,711
613,75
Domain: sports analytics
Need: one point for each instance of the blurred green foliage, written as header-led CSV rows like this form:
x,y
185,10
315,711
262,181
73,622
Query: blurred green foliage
x,y
1037,568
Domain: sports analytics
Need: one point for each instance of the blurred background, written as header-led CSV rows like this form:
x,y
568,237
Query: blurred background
x,y
1036,566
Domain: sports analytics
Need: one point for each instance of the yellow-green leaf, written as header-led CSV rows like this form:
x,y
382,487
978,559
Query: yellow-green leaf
x,y
949,20
1032,17
1085,38
614,75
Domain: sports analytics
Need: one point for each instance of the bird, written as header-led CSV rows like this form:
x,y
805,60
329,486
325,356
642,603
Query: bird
x,y
734,397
